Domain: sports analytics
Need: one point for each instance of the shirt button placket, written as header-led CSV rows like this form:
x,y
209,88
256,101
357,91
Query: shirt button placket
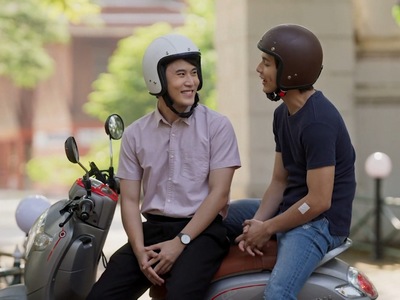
x,y
171,167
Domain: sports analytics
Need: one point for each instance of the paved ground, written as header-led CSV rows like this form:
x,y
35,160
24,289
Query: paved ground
x,y
385,273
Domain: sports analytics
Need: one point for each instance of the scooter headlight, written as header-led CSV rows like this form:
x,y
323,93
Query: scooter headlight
x,y
37,240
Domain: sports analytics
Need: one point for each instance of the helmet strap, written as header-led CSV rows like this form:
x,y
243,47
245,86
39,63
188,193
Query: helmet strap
x,y
170,103
277,95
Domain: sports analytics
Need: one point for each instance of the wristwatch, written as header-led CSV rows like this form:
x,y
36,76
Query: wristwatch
x,y
185,238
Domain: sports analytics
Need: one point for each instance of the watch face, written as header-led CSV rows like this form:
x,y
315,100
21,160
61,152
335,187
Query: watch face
x,y
185,239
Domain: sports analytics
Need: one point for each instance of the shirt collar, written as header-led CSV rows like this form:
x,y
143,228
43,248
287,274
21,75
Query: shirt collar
x,y
159,118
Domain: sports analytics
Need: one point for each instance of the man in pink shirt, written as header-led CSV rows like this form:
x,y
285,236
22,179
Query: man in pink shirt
x,y
183,155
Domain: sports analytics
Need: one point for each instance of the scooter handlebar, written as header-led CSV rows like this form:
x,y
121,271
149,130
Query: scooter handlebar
x,y
86,207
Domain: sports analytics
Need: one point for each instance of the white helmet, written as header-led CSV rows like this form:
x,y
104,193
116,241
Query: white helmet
x,y
29,209
162,51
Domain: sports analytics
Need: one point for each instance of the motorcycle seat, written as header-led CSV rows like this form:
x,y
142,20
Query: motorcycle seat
x,y
236,262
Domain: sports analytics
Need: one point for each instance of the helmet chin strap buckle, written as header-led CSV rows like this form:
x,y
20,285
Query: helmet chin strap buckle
x,y
277,95
168,100
281,93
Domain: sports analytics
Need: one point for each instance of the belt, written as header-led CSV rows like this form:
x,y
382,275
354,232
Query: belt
x,y
160,218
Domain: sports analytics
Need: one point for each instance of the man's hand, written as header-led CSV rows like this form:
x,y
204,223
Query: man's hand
x,y
163,255
144,260
253,238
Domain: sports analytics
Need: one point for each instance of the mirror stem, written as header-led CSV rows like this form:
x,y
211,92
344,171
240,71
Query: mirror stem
x,y
88,185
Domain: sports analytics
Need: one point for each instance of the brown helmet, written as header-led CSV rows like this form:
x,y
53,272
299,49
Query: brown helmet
x,y
298,53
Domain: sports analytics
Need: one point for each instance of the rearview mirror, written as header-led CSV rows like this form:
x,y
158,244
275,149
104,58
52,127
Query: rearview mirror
x,y
114,126
71,150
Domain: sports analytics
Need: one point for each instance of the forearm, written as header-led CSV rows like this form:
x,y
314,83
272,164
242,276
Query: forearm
x,y
312,205
293,217
274,193
270,201
130,213
131,220
218,197
205,215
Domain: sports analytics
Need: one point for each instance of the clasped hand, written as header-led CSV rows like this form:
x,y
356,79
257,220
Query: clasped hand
x,y
253,237
158,259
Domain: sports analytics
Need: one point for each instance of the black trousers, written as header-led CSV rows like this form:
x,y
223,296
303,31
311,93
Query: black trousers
x,y
189,277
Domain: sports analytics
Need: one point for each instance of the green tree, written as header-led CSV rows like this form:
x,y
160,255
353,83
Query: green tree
x,y
26,27
43,170
396,12
122,89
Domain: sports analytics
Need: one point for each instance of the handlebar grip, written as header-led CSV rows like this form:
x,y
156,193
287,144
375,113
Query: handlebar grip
x,y
117,185
114,184
84,216
86,207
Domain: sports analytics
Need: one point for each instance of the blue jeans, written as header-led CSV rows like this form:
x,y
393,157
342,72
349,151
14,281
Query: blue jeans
x,y
239,210
299,250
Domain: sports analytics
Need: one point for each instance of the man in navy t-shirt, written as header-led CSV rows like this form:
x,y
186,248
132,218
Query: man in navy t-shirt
x,y
308,202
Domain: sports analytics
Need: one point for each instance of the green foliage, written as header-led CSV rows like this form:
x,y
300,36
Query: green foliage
x,y
52,170
76,11
57,170
396,13
26,27
122,89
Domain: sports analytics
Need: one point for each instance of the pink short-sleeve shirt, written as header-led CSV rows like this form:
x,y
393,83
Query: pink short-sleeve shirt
x,y
173,161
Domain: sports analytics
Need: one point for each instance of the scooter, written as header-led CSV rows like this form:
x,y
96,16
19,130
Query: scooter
x,y
242,276
64,245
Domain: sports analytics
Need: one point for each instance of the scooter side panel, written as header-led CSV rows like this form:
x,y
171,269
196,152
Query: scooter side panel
x,y
68,263
13,292
77,269
320,285
246,286
336,268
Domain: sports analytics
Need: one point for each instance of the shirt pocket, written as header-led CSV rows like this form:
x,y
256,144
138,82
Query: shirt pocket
x,y
195,166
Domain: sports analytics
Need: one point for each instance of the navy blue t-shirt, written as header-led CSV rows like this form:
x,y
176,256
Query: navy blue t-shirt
x,y
314,137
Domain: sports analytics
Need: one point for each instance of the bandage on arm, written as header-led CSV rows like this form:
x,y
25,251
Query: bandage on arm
x,y
303,208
